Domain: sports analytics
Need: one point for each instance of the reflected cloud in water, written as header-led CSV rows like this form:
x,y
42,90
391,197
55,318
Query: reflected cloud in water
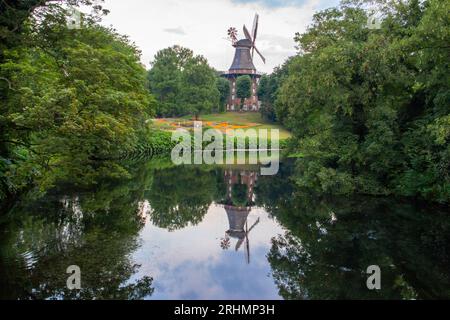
x,y
209,232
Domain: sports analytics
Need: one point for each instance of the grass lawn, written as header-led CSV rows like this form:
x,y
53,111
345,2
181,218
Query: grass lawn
x,y
236,118
228,120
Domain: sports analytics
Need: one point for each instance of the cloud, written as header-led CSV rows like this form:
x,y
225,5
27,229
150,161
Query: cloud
x,y
178,30
273,40
190,264
201,25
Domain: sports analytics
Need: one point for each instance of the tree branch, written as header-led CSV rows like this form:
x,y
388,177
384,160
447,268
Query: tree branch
x,y
9,83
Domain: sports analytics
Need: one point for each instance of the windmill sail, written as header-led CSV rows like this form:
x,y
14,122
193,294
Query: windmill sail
x,y
259,53
254,32
247,34
252,37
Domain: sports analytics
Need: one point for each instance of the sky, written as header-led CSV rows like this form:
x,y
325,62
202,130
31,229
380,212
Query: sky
x,y
190,264
202,25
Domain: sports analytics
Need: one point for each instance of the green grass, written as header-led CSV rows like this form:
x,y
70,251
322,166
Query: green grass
x,y
251,119
236,118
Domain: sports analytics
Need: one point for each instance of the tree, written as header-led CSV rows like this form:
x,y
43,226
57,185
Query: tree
x,y
97,229
72,97
243,88
183,83
223,85
198,93
369,108
263,88
326,249
268,91
165,79
175,205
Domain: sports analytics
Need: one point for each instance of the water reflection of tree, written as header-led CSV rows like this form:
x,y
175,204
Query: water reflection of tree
x,y
96,229
181,196
320,258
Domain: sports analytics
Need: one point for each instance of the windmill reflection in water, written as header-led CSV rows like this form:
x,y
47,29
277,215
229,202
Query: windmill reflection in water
x,y
238,204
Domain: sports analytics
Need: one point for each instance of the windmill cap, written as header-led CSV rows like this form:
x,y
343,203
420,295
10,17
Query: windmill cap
x,y
243,43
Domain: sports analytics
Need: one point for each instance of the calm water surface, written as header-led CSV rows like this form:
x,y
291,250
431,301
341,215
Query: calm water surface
x,y
220,233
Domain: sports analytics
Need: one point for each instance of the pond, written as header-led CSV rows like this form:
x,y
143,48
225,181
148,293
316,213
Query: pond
x,y
217,232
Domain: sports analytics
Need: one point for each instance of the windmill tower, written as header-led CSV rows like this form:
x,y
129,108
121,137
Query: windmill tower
x,y
243,65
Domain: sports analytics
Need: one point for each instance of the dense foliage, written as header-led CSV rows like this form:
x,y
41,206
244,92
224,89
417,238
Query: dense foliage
x,y
268,92
96,228
330,242
369,108
223,85
243,88
69,97
183,83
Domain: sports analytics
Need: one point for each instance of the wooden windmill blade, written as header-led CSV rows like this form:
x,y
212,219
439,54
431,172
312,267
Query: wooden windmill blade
x,y
254,225
255,32
247,34
247,244
247,241
247,231
252,37
255,27
259,53
239,244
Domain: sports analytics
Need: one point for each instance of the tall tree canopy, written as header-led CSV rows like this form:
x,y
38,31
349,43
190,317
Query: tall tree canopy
x,y
243,88
199,93
182,82
268,91
69,97
369,108
223,85
165,78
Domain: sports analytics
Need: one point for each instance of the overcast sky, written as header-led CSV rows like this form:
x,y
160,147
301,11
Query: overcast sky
x,y
201,25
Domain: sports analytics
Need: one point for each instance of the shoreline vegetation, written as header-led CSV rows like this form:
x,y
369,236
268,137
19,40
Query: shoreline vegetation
x,y
161,143
361,111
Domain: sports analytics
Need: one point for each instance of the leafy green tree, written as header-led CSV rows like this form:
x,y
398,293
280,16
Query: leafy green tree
x,y
182,83
330,241
369,108
268,92
263,88
71,97
322,259
181,196
199,93
165,79
96,228
243,88
223,85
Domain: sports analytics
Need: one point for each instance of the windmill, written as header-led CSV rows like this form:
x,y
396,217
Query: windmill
x,y
243,65
237,207
239,232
